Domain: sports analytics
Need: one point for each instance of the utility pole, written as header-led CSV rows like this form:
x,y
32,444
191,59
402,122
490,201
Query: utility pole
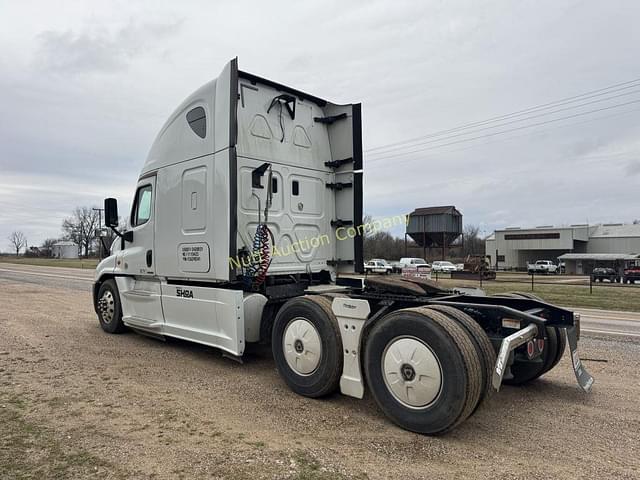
x,y
99,210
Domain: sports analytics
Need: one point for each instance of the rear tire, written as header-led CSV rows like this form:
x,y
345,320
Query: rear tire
x,y
423,370
109,308
307,346
481,342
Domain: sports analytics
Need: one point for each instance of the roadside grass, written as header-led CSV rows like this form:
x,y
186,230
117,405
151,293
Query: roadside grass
x,y
88,263
623,298
30,451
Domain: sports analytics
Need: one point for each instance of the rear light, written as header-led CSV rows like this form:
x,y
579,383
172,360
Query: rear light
x,y
530,349
510,323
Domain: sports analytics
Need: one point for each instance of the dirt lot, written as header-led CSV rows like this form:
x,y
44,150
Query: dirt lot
x,y
76,402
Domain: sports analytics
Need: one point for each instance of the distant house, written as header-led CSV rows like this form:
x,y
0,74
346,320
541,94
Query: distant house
x,y
64,250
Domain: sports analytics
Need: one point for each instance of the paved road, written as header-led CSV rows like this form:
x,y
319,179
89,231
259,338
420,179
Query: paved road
x,y
593,322
55,277
609,322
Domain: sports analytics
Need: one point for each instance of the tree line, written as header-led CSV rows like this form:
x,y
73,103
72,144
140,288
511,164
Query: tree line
x,y
384,245
82,227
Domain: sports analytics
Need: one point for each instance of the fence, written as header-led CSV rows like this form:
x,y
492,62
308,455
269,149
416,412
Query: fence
x,y
533,280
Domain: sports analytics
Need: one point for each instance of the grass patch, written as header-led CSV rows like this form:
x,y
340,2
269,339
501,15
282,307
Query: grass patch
x,y
87,263
29,451
604,297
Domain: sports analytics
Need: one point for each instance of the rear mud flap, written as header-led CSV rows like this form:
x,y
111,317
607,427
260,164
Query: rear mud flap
x,y
585,380
508,345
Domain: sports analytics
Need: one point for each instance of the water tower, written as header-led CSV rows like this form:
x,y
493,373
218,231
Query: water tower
x,y
434,228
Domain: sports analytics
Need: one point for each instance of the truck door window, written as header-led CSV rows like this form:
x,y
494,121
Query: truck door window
x,y
142,206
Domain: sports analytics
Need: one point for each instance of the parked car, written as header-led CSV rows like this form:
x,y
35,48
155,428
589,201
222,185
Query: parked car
x,y
459,267
631,274
542,266
601,274
443,266
378,266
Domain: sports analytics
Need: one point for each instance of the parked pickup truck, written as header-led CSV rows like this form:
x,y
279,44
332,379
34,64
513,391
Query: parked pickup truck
x,y
378,266
601,274
542,266
631,274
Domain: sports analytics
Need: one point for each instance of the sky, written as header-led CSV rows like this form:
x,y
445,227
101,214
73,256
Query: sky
x,y
85,87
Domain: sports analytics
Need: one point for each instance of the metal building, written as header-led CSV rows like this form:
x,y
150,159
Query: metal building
x,y
64,250
514,248
435,228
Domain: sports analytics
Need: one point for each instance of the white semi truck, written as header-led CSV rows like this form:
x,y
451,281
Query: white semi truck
x,y
245,228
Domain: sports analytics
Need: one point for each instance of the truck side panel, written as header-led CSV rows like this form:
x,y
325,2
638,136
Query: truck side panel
x,y
299,136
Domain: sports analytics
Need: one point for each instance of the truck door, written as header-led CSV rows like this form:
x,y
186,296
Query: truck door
x,y
138,254
140,289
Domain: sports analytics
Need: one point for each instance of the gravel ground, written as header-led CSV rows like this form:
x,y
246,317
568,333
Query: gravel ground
x,y
77,402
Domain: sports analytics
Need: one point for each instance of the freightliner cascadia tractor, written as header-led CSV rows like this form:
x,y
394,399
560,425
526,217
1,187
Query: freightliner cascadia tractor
x,y
246,227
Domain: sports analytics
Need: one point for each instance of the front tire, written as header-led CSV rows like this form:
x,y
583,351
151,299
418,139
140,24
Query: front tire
x,y
109,308
307,346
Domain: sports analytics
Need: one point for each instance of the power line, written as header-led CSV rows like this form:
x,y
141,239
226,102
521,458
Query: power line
x,y
391,150
567,100
515,137
506,131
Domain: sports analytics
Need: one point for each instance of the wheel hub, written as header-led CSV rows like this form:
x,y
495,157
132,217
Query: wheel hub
x,y
302,346
106,306
411,372
408,373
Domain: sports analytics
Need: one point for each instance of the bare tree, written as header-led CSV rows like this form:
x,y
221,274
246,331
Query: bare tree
x,y
80,228
18,241
473,242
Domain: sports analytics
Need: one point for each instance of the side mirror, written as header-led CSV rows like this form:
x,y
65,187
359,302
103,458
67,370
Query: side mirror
x,y
111,212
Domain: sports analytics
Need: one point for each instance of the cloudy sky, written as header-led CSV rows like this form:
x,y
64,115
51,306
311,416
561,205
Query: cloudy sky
x,y
85,86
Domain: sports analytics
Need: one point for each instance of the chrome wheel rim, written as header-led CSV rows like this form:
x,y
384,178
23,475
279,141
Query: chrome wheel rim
x,y
411,372
302,346
107,306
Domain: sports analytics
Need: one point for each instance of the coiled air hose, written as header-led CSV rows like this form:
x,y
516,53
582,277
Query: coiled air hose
x,y
256,272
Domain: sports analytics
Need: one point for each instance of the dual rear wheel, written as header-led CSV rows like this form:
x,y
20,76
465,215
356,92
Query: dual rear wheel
x,y
424,369
428,368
